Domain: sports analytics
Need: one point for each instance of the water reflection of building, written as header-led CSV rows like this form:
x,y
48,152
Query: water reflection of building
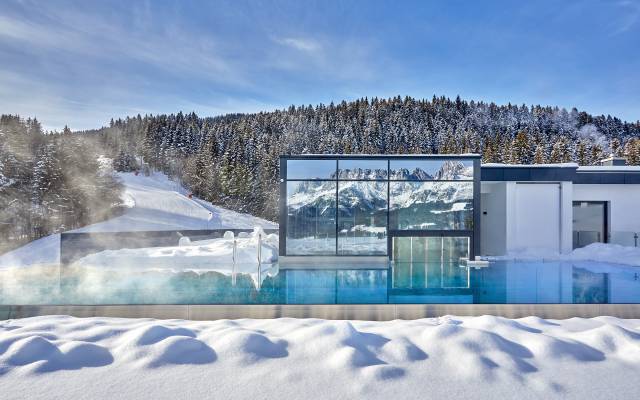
x,y
537,282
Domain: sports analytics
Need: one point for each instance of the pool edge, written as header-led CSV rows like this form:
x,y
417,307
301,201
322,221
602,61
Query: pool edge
x,y
371,312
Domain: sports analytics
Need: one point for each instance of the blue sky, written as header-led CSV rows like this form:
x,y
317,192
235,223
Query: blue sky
x,y
82,62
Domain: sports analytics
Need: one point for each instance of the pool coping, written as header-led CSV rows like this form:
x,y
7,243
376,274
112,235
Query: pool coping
x,y
372,312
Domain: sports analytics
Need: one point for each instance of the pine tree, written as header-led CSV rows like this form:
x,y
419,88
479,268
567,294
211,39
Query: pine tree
x,y
616,147
560,152
539,157
583,156
632,151
597,154
520,149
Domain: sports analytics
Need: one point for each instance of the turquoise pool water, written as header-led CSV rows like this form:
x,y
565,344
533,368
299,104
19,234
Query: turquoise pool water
x,y
509,282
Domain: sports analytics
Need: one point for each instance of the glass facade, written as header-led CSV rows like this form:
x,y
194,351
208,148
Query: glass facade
x,y
311,217
362,217
363,169
431,205
345,205
431,170
311,169
430,262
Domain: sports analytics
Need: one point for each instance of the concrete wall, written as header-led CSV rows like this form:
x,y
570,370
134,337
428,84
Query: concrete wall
x,y
524,216
536,218
624,208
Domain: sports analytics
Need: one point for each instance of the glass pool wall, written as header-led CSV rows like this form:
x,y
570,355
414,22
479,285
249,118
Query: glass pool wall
x,y
503,282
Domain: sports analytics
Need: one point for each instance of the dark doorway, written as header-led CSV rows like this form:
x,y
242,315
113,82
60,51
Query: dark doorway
x,y
589,223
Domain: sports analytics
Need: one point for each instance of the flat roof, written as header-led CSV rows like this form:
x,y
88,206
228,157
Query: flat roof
x,y
347,156
564,172
496,172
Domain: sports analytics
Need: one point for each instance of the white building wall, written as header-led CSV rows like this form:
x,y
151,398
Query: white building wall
x,y
566,217
624,208
527,216
537,218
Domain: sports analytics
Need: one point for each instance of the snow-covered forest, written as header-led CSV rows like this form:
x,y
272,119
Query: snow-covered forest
x,y
53,182
49,182
233,160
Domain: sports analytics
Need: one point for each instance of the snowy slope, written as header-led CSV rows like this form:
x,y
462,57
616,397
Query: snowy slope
x,y
155,203
158,203
58,357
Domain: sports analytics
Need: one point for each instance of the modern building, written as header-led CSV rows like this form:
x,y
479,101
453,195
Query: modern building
x,y
556,208
368,209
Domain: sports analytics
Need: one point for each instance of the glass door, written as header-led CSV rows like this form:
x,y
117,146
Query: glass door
x,y
589,223
430,262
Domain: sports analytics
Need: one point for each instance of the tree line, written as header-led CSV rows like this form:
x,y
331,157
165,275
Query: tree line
x,y
50,182
232,160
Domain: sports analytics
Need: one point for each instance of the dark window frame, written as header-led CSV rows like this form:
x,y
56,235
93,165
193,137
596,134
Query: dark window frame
x,y
473,234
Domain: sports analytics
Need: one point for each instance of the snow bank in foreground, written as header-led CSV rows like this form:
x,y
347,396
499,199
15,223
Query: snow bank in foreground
x,y
600,252
449,357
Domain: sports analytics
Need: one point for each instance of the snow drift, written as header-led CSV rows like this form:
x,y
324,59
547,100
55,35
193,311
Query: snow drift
x,y
599,252
449,357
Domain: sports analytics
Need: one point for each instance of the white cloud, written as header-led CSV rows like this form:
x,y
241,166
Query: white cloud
x,y
630,18
81,65
308,45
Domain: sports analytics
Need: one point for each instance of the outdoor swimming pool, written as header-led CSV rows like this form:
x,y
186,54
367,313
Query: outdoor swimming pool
x,y
502,282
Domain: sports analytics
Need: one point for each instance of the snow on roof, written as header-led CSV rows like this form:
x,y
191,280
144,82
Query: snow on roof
x,y
609,168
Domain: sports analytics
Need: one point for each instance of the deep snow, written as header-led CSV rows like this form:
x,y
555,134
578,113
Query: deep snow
x,y
59,357
155,204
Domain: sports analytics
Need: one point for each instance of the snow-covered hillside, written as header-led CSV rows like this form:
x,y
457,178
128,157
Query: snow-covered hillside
x,y
59,357
155,203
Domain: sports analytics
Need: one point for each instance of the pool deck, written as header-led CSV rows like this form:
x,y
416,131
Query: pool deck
x,y
373,312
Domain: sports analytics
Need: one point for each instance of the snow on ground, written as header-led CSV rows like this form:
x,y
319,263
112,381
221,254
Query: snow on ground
x,y
161,204
59,357
602,252
196,256
154,203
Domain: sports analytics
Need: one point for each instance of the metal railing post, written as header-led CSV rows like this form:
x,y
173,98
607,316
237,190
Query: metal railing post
x,y
259,260
233,266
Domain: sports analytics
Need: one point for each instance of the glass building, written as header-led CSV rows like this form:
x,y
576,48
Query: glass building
x,y
413,208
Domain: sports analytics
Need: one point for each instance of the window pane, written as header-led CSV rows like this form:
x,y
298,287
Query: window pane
x,y
588,223
430,262
431,205
429,170
363,169
455,249
311,169
362,217
311,218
